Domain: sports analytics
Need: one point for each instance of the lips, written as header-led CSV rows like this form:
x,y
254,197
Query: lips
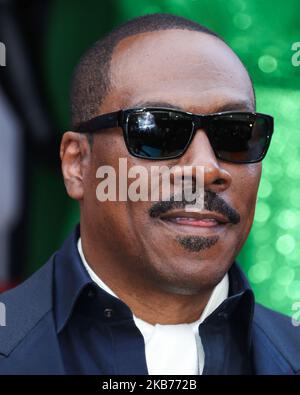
x,y
203,219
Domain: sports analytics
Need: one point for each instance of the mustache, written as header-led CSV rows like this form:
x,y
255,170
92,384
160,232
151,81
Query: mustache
x,y
212,202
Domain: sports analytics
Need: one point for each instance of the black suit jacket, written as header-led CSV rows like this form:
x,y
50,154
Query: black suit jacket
x,y
29,341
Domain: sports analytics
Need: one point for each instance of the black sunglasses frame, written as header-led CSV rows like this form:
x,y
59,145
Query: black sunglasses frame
x,y
121,118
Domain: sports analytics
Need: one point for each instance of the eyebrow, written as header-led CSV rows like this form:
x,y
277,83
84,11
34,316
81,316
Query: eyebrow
x,y
230,106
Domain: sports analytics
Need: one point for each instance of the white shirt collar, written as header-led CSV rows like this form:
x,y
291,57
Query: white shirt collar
x,y
180,347
219,294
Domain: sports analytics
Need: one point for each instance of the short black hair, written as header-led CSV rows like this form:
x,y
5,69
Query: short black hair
x,y
91,81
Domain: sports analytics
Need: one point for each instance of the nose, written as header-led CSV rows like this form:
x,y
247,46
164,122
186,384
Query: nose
x,y
200,153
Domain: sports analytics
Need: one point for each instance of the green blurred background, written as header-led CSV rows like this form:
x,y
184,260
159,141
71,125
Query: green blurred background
x,y
262,33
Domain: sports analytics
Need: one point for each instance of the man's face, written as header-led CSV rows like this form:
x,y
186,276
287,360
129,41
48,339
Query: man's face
x,y
193,72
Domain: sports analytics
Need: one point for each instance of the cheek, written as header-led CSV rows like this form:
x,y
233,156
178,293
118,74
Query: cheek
x,y
245,183
244,190
249,180
122,218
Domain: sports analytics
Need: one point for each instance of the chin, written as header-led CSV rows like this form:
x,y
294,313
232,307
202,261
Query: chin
x,y
191,276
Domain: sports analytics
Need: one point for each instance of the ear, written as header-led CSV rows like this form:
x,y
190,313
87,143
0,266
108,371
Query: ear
x,y
74,155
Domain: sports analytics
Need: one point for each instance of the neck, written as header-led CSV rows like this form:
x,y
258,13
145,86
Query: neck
x,y
146,301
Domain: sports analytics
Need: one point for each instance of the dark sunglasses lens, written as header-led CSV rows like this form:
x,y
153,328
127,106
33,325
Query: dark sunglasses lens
x,y
240,137
158,134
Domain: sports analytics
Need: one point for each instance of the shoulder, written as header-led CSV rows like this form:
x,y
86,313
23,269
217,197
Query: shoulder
x,y
280,331
24,307
276,324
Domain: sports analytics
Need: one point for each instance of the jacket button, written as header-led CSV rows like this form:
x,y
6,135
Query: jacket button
x,y
223,315
108,313
91,293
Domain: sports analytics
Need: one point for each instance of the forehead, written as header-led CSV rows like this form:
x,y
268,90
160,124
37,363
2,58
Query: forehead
x,y
190,70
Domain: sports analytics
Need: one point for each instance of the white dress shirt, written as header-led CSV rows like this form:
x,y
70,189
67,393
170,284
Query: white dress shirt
x,y
171,349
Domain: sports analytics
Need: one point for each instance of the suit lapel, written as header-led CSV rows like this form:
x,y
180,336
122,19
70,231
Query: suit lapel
x,y
28,342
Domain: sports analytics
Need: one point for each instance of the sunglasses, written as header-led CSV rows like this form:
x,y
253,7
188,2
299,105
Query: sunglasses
x,y
162,133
